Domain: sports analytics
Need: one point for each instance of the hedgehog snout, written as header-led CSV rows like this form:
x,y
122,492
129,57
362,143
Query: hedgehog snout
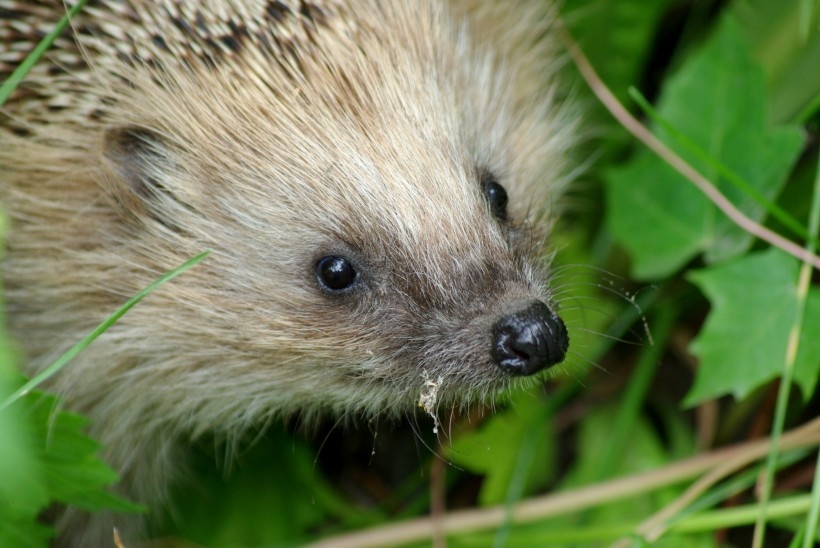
x,y
529,340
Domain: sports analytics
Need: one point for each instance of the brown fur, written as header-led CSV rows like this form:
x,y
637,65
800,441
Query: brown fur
x,y
155,130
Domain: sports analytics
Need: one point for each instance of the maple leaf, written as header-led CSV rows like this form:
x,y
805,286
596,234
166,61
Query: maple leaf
x,y
717,101
743,342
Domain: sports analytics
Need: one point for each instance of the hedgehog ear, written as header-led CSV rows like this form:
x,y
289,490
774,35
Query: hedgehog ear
x,y
139,157
135,154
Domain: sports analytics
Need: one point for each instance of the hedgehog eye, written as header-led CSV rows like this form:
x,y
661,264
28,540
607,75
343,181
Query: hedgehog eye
x,y
335,274
496,196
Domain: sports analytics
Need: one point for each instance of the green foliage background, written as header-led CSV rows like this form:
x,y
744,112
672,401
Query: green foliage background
x,y
680,324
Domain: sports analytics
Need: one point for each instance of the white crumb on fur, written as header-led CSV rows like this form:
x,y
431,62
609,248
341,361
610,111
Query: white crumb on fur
x,y
429,397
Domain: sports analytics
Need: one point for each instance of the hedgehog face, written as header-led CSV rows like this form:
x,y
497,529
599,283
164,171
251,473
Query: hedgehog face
x,y
398,264
455,300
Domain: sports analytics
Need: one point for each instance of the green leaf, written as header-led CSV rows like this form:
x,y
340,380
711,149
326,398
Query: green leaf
x,y
493,450
717,101
66,458
743,343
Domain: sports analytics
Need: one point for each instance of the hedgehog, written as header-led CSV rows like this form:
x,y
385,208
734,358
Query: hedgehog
x,y
376,181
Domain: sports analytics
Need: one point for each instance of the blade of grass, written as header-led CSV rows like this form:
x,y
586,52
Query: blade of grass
x,y
741,515
77,348
20,72
735,485
705,522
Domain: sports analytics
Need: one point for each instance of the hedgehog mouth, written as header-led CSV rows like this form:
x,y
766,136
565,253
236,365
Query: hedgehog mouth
x,y
465,363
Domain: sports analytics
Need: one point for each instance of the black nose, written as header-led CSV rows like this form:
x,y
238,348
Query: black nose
x,y
529,340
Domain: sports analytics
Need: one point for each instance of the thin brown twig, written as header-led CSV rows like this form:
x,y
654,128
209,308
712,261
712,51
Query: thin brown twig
x,y
715,464
438,507
631,124
656,525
